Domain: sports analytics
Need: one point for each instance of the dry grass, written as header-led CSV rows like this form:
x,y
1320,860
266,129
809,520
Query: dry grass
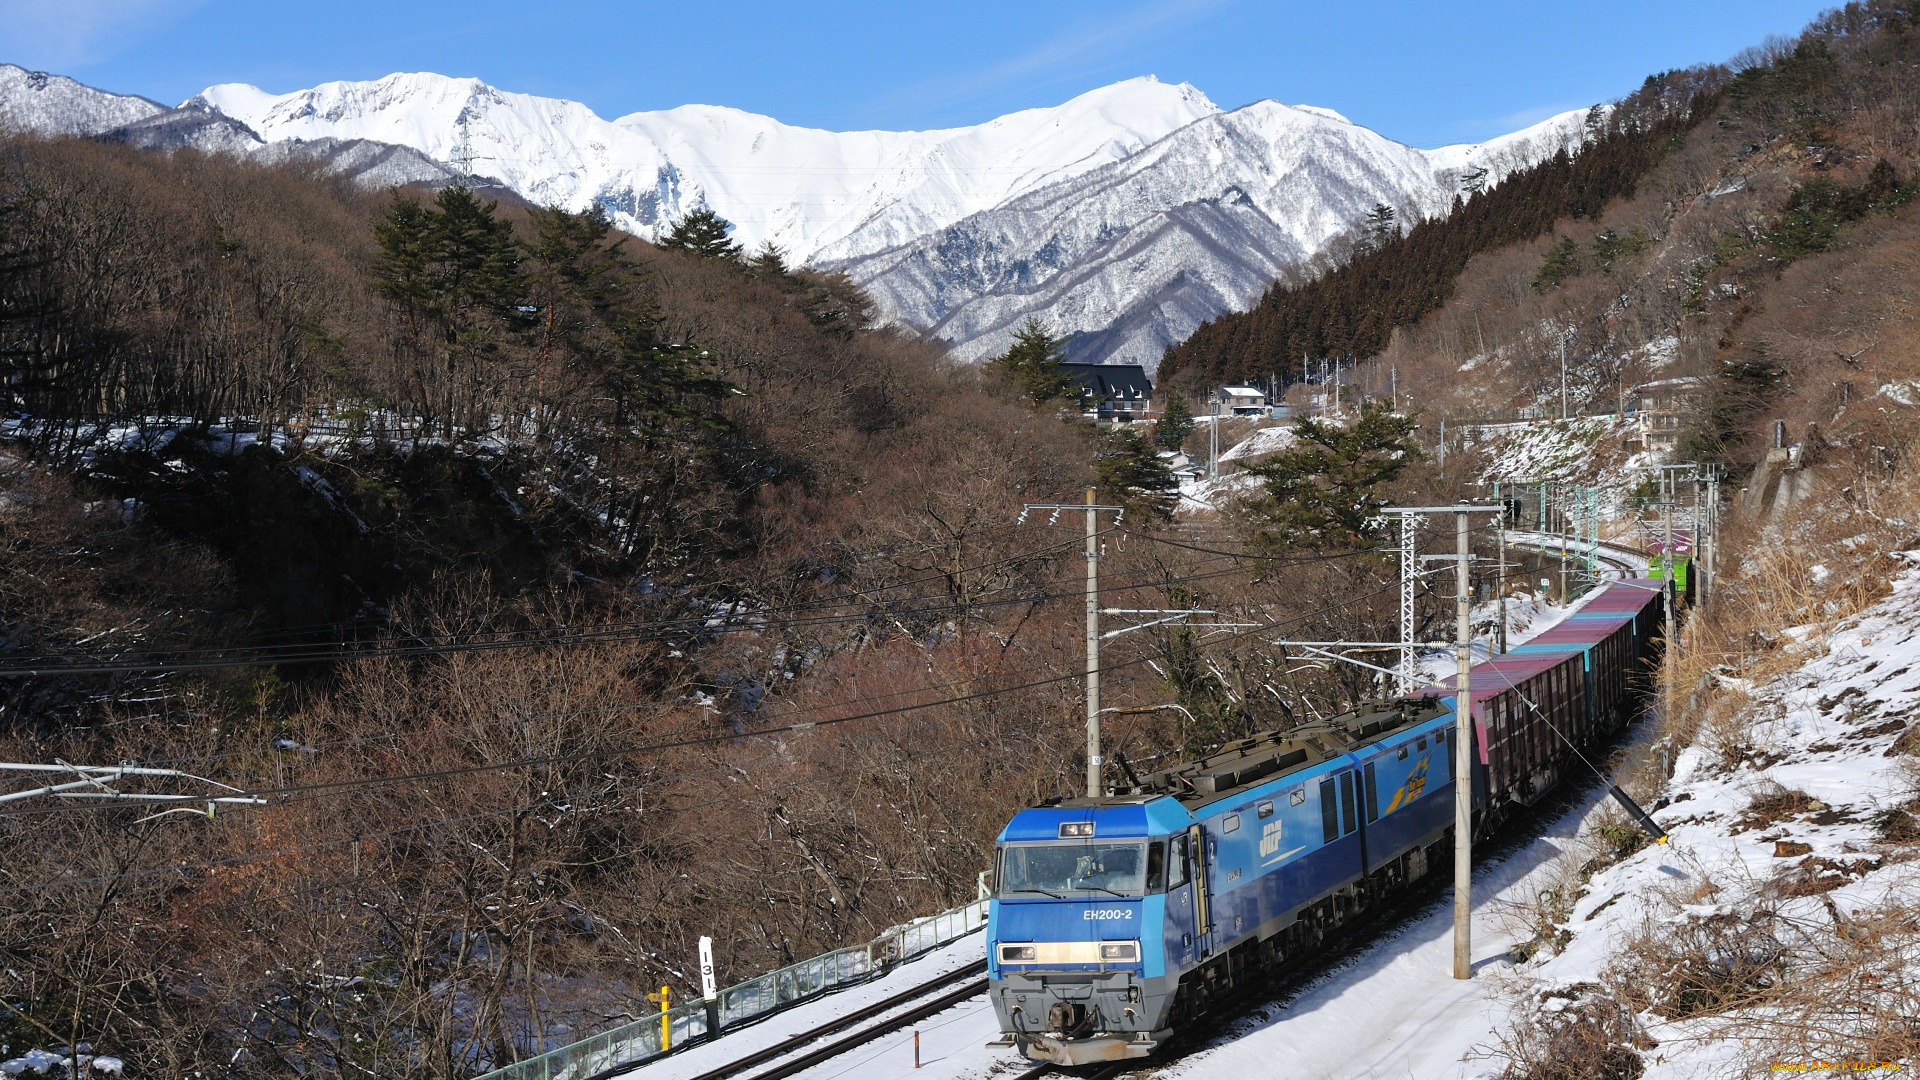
x,y
1771,606
1581,1032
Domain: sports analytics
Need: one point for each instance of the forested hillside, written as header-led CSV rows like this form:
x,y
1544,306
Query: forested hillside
x,y
1692,241
565,597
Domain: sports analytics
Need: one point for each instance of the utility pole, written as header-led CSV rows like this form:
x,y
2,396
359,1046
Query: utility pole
x,y
1500,582
1563,377
1096,785
1463,765
1213,438
1409,561
1462,729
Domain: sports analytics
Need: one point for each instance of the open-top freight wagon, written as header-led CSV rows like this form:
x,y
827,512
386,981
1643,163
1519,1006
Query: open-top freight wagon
x,y
1117,919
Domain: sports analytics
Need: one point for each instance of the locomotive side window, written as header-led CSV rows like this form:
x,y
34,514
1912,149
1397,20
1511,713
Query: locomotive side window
x,y
1231,824
1177,865
1403,752
1349,819
1371,796
1296,796
1329,812
1266,810
1156,866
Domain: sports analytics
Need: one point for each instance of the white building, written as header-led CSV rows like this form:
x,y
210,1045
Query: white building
x,y
1242,401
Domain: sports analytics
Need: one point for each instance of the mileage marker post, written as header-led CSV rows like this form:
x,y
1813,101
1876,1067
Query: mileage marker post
x,y
1463,730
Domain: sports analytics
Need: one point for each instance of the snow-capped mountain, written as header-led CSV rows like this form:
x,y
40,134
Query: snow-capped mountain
x,y
43,104
817,194
1134,255
1124,217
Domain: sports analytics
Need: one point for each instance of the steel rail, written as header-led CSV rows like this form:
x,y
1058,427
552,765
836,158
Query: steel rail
x,y
841,1023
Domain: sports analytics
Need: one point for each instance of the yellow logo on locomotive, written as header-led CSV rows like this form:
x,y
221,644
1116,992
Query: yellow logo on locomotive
x,y
1411,790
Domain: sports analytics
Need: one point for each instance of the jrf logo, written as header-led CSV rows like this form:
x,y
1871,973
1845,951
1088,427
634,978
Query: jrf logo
x,y
1270,839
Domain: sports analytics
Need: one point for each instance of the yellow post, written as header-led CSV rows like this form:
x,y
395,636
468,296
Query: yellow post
x,y
666,1022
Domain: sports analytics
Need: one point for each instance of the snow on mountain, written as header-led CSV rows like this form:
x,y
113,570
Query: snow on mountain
x,y
1134,255
43,104
1125,217
811,192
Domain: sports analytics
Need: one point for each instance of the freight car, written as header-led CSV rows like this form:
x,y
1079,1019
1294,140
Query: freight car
x,y
1117,919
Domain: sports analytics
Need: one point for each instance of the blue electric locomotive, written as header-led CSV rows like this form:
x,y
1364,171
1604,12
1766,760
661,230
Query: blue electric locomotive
x,y
1115,919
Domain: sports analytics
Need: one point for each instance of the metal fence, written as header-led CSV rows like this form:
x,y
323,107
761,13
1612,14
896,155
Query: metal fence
x,y
637,1042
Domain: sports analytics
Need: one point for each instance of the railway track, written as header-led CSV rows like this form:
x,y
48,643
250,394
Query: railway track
x,y
937,995
888,1016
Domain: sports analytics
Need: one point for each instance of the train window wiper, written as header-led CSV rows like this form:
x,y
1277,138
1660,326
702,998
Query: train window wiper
x,y
1038,889
1104,889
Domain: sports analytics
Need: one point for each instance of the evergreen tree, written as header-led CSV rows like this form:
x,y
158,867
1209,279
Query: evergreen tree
x,y
1381,226
475,261
1033,362
768,261
454,270
1133,475
1323,491
577,278
1562,262
1176,422
703,233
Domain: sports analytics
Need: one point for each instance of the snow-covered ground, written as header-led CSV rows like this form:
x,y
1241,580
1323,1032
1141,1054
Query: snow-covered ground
x,y
1822,733
782,1025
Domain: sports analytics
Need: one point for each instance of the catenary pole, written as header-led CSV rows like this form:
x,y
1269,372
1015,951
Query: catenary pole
x,y
1463,728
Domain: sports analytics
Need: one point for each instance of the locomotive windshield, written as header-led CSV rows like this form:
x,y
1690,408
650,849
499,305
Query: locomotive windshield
x,y
1057,869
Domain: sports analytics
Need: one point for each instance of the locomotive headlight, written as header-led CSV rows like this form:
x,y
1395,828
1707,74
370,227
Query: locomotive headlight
x,y
1017,953
1120,950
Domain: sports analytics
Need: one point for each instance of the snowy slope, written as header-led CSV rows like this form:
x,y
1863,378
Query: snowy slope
x,y
803,189
43,104
1389,1011
1136,254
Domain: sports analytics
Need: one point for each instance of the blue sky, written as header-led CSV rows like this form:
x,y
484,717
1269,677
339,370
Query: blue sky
x,y
1425,73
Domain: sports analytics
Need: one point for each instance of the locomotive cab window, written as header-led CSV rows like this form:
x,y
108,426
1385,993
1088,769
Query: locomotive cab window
x,y
1177,862
1055,869
1156,866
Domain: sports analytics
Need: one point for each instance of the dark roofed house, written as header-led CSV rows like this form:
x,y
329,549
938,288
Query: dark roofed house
x,y
1117,392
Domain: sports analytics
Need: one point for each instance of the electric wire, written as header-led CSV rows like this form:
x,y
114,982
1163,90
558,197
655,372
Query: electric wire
x,y
330,788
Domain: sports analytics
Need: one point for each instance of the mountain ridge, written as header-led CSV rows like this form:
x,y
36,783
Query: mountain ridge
x,y
1126,216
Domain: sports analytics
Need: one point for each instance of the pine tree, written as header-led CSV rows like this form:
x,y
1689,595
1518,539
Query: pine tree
x,y
1381,226
580,281
768,261
1323,491
703,233
1176,422
1562,262
1033,362
476,262
1132,473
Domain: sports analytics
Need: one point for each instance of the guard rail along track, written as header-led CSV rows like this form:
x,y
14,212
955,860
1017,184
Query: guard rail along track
x,y
924,1000
637,1042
